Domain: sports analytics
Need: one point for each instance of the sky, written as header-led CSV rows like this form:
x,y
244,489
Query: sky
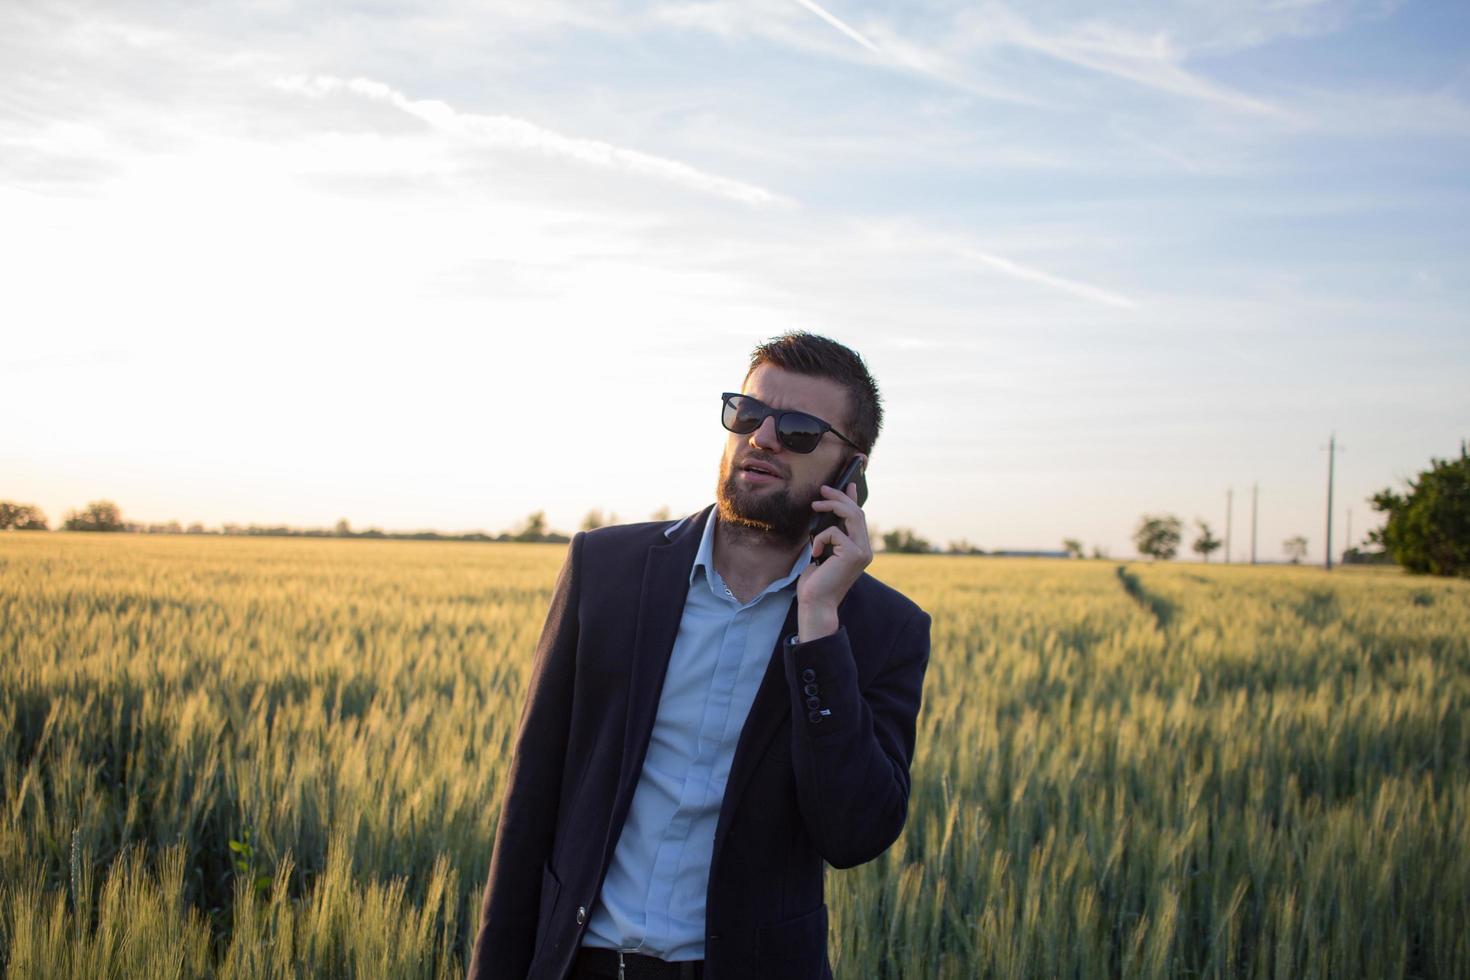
x,y
440,266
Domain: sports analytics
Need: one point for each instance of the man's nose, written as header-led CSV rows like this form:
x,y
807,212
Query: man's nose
x,y
765,437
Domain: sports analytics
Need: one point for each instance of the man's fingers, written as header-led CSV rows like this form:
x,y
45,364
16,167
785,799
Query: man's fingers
x,y
836,500
845,507
834,538
829,540
832,493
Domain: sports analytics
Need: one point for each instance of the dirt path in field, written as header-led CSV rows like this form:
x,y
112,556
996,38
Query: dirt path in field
x,y
1161,609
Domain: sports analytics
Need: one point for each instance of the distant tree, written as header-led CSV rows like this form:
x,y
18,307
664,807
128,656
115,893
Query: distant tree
x,y
662,514
593,520
99,515
534,529
904,541
1295,548
964,547
195,528
1099,552
343,529
1428,528
1158,536
1073,546
1206,542
21,517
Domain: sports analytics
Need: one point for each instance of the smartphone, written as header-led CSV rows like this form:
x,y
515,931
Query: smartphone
x,y
852,471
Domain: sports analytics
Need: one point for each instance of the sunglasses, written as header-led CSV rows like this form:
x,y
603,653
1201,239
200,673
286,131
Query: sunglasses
x,y
797,431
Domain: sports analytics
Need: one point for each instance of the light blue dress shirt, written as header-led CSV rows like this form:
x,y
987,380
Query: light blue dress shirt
x,y
653,897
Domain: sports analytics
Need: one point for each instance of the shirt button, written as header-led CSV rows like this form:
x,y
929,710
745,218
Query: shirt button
x,y
808,675
581,914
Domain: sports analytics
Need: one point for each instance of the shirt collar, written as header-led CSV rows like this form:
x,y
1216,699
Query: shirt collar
x,y
704,559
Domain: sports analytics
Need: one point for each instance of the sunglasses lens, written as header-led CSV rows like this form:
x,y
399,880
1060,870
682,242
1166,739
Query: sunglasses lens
x,y
800,432
743,415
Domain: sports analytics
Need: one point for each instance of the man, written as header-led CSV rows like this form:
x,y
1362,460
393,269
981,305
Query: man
x,y
712,713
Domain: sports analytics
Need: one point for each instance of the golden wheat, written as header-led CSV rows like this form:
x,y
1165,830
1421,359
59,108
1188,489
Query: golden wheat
x,y
282,758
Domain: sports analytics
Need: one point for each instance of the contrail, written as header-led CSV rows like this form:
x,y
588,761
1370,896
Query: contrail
x,y
1079,289
808,4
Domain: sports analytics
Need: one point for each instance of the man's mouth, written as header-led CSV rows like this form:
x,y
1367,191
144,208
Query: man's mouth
x,y
760,470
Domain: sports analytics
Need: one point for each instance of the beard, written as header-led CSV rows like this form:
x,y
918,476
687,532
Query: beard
x,y
772,513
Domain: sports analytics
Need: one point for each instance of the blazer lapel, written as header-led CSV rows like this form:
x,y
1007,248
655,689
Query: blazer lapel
x,y
660,607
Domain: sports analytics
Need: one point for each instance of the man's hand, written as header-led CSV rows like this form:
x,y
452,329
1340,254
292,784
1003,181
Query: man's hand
x,y
821,587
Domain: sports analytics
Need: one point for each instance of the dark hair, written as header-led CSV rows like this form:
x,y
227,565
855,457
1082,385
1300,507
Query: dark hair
x,y
821,357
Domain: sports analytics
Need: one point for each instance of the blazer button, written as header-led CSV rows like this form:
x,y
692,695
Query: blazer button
x,y
581,914
808,675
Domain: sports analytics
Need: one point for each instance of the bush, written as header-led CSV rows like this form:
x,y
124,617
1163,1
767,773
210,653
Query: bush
x,y
21,517
99,515
1157,536
903,540
1428,529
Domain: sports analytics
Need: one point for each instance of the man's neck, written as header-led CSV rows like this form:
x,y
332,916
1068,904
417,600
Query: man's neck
x,y
749,560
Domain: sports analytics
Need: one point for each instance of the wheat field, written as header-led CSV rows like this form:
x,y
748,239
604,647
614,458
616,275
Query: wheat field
x,y
250,757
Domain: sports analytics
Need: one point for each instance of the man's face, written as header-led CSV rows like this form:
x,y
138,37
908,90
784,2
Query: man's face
x,y
763,485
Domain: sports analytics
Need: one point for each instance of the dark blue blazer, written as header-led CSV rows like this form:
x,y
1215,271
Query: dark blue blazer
x,y
817,777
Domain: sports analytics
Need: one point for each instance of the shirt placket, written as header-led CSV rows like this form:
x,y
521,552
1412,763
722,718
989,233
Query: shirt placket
x,y
698,785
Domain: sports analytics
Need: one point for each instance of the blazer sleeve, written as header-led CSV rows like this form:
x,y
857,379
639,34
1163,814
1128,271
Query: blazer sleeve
x,y
851,748
506,941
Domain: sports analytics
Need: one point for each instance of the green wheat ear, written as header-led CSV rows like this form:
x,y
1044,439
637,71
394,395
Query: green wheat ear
x,y
81,886
76,875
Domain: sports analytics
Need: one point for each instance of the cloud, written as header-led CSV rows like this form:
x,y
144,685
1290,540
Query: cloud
x,y
1359,112
509,132
1150,60
961,50
783,25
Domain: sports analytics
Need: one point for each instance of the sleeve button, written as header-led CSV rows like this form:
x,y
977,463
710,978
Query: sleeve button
x,y
814,703
581,914
808,675
815,717
811,689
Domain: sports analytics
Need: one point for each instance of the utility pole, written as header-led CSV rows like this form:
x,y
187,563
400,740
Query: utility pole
x,y
1331,461
1349,529
1255,499
1229,512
